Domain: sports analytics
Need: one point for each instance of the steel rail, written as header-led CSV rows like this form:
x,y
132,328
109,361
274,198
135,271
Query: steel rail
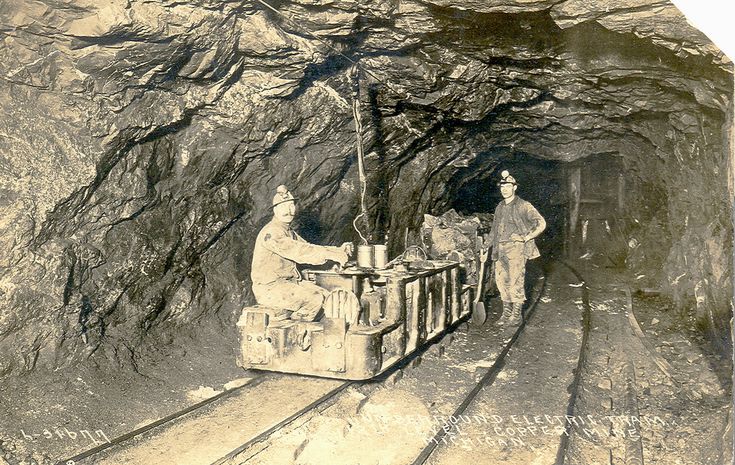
x,y
581,360
487,380
259,378
265,434
401,364
632,448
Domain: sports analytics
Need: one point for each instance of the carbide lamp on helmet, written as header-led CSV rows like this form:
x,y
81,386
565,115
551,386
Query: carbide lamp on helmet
x,y
282,196
506,178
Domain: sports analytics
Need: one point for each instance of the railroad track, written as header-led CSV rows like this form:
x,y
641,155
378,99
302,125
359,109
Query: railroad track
x,y
256,379
628,449
259,377
613,368
231,456
583,350
492,373
91,455
286,421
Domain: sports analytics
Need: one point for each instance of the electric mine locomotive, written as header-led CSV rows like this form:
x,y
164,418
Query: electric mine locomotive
x,y
374,316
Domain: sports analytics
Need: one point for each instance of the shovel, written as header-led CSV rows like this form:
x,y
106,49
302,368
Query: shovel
x,y
479,315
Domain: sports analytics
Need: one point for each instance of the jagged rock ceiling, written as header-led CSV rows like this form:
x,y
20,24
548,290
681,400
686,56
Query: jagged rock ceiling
x,y
141,142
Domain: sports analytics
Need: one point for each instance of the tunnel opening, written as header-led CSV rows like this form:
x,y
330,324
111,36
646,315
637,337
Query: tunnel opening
x,y
595,203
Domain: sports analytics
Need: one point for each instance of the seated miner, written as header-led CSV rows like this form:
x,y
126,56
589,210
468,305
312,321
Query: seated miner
x,y
277,282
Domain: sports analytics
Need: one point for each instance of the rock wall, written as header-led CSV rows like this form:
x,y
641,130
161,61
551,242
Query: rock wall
x,y
141,143
682,216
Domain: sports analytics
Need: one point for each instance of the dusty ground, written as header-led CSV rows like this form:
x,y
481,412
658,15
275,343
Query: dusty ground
x,y
699,395
667,420
210,433
680,385
57,409
389,421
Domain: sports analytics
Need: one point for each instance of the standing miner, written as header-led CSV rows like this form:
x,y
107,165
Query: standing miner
x,y
515,225
276,280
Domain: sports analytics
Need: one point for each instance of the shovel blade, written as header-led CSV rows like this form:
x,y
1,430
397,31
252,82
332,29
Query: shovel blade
x,y
479,315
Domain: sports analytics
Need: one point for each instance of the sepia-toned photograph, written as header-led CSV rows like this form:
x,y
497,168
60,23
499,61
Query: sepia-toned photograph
x,y
380,232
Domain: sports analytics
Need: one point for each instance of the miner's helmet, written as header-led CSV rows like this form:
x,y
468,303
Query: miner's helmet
x,y
506,178
282,196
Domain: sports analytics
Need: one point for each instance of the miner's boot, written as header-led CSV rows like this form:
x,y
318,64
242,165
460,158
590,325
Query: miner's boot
x,y
516,315
507,310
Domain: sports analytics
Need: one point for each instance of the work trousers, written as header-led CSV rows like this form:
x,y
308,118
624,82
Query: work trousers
x,y
510,272
304,298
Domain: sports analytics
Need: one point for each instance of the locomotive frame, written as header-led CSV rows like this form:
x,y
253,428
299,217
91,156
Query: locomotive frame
x,y
402,309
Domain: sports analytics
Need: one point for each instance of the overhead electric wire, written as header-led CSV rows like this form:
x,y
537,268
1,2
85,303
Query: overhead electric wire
x,y
360,153
355,111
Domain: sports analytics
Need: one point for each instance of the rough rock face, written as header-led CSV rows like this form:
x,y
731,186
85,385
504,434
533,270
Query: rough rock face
x,y
140,143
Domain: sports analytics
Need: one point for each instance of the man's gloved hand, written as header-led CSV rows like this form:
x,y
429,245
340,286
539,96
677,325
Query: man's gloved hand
x,y
483,254
338,255
517,238
348,248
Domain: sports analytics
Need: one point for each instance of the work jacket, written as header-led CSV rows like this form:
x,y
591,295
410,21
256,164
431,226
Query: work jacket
x,y
525,218
277,251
